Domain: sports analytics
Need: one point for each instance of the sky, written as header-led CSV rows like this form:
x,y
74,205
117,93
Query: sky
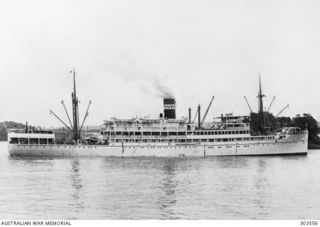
x,y
127,54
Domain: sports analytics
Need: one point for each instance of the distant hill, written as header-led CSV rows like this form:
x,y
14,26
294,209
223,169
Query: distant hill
x,y
8,124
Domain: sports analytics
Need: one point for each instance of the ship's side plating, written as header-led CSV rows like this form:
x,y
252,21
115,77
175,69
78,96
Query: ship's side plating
x,y
291,144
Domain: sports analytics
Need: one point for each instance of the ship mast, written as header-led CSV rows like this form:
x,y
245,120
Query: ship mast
x,y
260,98
73,128
75,110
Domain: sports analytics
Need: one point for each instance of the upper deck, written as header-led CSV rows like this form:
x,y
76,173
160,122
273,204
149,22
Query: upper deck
x,y
22,136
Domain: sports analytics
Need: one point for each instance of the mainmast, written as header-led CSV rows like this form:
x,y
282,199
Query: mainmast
x,y
260,97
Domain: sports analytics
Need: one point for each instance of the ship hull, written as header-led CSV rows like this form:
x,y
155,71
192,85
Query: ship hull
x,y
291,146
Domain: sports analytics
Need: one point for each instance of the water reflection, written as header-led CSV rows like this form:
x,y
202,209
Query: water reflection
x,y
168,186
77,188
231,162
262,188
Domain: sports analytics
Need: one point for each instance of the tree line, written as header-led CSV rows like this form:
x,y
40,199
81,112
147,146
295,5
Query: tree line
x,y
266,123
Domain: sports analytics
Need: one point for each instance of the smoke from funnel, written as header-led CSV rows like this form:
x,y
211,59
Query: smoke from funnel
x,y
148,83
162,90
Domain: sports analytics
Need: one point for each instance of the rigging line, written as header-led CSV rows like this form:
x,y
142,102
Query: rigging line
x,y
62,102
51,112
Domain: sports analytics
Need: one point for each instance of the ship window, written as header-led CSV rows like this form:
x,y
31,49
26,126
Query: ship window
x,y
125,133
172,133
189,133
146,133
138,133
43,141
203,140
164,133
225,139
118,133
155,133
181,133
23,140
14,140
211,140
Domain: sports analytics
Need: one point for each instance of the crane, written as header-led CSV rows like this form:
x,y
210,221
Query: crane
x,y
248,104
195,116
287,106
274,97
205,115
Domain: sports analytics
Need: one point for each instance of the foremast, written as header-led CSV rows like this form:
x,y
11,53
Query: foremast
x,y
75,109
74,127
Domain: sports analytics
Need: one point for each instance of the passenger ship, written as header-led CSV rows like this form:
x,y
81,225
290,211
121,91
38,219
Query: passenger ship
x,y
165,136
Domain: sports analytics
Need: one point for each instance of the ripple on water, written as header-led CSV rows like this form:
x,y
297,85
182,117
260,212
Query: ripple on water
x,y
160,188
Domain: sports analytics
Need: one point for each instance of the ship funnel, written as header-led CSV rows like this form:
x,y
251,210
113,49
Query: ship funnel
x,y
169,105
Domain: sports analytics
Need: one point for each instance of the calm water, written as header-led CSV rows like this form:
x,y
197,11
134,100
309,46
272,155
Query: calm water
x,y
286,187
